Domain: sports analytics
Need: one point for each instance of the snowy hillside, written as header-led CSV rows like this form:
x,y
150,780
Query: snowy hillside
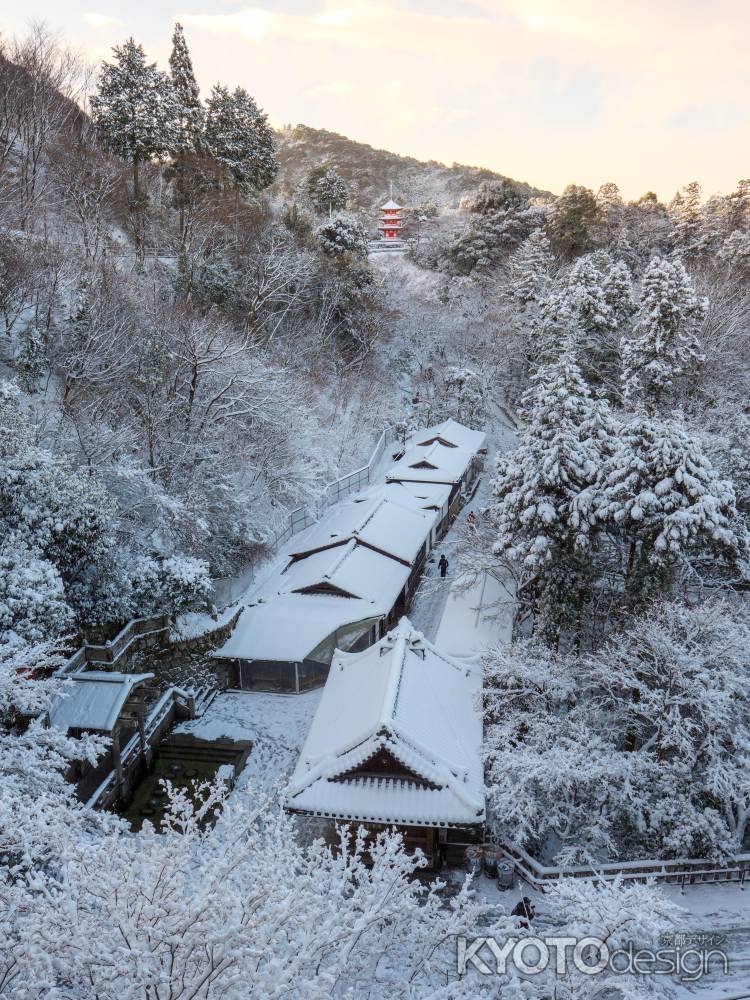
x,y
369,172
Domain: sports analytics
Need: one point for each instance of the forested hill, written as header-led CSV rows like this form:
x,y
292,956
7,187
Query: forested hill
x,y
368,172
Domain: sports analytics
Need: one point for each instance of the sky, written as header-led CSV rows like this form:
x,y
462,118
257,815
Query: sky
x,y
650,94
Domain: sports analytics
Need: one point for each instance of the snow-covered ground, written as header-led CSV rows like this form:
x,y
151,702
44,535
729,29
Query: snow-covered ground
x,y
721,910
277,724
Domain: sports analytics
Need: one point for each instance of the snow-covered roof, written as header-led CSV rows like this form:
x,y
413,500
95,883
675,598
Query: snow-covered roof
x,y
450,432
399,530
390,206
432,498
437,463
427,496
405,702
348,571
94,701
288,628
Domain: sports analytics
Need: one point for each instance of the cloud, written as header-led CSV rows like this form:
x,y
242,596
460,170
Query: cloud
x,y
100,20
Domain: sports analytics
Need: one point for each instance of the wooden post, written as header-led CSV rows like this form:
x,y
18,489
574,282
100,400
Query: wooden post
x,y
142,732
117,759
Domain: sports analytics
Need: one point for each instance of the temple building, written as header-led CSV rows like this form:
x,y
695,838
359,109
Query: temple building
x,y
396,741
391,220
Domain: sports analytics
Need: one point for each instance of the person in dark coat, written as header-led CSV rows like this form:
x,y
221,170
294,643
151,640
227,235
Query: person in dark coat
x,y
524,908
443,564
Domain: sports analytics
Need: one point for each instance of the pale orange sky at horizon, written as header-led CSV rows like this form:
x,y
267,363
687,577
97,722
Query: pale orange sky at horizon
x,y
650,96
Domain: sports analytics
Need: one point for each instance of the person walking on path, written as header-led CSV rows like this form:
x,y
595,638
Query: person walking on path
x,y
524,909
443,564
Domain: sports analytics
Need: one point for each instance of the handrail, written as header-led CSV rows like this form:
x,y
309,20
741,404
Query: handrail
x,y
675,869
300,518
136,628
152,721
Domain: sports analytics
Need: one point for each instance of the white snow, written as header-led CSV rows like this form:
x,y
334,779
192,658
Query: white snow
x,y
352,569
404,697
289,627
94,701
451,433
275,723
477,614
396,529
437,463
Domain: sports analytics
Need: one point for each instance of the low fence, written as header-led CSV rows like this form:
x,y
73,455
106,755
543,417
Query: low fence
x,y
158,721
354,481
136,632
301,518
679,871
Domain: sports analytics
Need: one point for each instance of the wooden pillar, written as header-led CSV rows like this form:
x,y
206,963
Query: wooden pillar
x,y
296,677
116,758
142,732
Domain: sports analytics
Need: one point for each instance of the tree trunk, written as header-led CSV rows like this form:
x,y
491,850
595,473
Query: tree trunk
x,y
136,181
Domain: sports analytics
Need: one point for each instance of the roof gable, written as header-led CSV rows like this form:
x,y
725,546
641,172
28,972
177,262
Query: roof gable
x,y
398,714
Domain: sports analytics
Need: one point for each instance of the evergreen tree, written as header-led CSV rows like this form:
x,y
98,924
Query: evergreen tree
x,y
185,171
611,211
189,125
530,268
465,389
665,347
618,291
600,296
343,234
134,110
239,137
737,208
573,221
327,189
661,498
554,326
690,241
540,528
735,253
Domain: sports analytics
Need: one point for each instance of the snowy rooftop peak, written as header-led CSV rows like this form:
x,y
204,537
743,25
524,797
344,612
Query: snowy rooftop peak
x,y
391,206
404,698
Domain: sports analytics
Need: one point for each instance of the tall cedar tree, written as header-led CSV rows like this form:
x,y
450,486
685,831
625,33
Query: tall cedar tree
x,y
188,127
574,221
134,110
665,346
189,108
240,139
539,526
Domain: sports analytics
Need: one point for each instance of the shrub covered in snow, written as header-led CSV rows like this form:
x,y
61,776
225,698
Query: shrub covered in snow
x,y
343,235
639,749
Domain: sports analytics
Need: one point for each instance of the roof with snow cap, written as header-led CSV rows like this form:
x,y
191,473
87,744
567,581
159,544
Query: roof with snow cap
x,y
399,530
400,705
350,570
432,498
436,463
289,627
452,434
95,700
391,206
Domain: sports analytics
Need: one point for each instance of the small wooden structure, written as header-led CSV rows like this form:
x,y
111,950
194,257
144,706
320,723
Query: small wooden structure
x,y
396,741
115,705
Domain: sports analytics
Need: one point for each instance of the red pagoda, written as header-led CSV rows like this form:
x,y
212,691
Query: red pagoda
x,y
391,221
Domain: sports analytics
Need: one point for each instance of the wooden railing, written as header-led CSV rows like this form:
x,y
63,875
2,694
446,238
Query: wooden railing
x,y
110,653
156,723
678,871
